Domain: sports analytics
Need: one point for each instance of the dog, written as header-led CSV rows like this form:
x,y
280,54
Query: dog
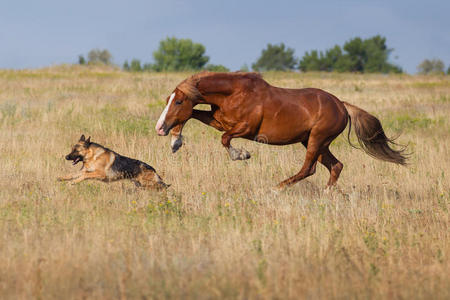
x,y
106,165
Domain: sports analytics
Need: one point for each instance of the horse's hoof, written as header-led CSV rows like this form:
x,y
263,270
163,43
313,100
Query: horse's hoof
x,y
234,153
244,155
238,154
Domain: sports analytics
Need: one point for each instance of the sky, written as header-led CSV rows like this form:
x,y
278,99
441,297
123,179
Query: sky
x,y
36,34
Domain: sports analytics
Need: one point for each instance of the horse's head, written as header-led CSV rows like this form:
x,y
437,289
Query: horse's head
x,y
177,111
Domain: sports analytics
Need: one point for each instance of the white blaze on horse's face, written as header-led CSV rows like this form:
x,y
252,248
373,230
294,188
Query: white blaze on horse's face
x,y
162,118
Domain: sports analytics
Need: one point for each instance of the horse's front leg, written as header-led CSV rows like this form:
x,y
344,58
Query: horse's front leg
x,y
239,130
177,139
207,117
204,116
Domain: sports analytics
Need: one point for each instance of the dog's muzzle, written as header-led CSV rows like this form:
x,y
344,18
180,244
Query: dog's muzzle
x,y
76,159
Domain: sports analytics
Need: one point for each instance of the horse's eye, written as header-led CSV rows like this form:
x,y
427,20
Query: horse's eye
x,y
178,102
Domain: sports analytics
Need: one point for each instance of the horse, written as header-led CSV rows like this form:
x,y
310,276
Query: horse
x,y
244,105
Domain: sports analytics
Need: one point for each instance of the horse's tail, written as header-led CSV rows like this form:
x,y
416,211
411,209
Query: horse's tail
x,y
371,136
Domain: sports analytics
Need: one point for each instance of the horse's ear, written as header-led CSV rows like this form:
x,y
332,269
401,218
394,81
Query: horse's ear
x,y
82,138
88,141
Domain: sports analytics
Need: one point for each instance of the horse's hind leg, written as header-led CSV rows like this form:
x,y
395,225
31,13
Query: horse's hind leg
x,y
332,164
309,166
313,168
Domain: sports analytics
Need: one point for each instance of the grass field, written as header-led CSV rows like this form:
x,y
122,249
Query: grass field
x,y
219,231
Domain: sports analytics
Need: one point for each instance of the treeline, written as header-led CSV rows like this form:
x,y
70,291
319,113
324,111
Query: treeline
x,y
172,55
357,55
369,55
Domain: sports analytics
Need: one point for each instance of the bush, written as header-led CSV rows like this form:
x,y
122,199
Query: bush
x,y
97,56
433,66
216,68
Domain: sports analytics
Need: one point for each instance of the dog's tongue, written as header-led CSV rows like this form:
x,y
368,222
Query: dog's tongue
x,y
76,161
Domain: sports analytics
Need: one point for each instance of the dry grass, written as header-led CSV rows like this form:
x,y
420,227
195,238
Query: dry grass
x,y
219,232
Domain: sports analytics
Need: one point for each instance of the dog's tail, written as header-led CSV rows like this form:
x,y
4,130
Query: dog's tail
x,y
371,136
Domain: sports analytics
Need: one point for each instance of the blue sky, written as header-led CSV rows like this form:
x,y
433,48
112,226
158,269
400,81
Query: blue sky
x,y
40,33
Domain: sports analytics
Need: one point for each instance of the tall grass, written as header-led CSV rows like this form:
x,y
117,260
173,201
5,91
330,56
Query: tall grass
x,y
219,232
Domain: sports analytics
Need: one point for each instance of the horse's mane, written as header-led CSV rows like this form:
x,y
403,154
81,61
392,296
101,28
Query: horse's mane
x,y
189,86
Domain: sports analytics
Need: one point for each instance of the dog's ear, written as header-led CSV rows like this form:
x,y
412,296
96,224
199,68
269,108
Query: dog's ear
x,y
88,141
82,138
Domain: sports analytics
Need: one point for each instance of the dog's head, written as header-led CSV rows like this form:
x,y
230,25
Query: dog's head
x,y
79,150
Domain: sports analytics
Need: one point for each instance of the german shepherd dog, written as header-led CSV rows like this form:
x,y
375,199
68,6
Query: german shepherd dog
x,y
106,165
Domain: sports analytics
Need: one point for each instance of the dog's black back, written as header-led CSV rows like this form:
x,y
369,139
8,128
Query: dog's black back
x,y
129,167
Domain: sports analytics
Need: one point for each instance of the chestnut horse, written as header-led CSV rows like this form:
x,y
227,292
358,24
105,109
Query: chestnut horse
x,y
245,106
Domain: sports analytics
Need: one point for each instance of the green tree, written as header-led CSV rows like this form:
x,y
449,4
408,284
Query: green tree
x,y
275,57
135,65
244,68
97,56
356,55
216,68
147,67
317,61
179,55
126,66
81,60
344,64
433,66
448,70
376,56
331,58
310,61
